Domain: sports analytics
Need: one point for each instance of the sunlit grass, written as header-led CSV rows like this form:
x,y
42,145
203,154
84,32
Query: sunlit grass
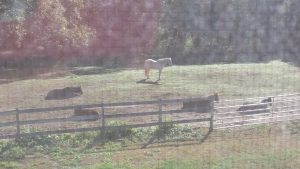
x,y
116,85
287,159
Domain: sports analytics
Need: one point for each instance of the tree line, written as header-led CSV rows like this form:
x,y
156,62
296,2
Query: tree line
x,y
123,32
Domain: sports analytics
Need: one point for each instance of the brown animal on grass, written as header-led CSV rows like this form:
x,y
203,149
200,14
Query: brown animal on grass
x,y
201,106
65,93
92,114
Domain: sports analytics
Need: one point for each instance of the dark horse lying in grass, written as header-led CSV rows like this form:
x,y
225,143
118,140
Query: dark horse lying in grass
x,y
65,93
255,108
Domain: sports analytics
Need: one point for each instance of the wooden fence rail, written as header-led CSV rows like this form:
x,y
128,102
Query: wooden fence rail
x,y
103,117
39,110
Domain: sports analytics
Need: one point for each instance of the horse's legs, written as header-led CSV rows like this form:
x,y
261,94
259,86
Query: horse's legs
x,y
159,72
147,72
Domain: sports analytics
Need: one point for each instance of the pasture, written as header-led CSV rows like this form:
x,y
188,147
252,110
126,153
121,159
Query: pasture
x,y
260,146
116,85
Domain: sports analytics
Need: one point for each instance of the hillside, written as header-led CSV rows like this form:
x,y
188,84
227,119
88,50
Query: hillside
x,y
264,146
117,85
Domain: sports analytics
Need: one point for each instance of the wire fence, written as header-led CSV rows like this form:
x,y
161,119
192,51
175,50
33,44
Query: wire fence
x,y
282,108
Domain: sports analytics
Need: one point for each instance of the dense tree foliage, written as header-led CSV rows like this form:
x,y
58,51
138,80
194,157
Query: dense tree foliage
x,y
84,29
205,31
193,31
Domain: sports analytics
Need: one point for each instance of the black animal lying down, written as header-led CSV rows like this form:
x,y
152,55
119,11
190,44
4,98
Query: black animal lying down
x,y
255,108
65,93
201,106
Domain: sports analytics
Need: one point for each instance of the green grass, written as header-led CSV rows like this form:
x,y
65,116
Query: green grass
x,y
287,159
261,147
232,150
9,165
230,80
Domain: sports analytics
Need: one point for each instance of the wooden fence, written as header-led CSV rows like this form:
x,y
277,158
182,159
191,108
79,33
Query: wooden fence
x,y
103,117
221,115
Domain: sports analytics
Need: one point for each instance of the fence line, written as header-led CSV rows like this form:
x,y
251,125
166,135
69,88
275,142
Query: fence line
x,y
265,122
286,109
266,118
254,98
7,124
216,119
103,123
254,104
247,111
6,113
92,117
255,114
151,102
104,117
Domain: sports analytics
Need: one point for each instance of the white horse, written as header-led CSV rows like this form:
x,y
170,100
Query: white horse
x,y
159,64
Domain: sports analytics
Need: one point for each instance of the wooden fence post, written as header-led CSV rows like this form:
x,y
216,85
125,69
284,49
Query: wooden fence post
x,y
212,111
272,107
160,128
103,131
18,124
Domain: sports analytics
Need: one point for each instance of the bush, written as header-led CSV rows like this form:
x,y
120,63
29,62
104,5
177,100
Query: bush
x,y
114,134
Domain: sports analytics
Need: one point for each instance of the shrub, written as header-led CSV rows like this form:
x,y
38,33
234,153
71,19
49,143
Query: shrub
x,y
114,134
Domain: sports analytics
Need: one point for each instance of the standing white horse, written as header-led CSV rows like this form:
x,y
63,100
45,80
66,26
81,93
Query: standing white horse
x,y
159,64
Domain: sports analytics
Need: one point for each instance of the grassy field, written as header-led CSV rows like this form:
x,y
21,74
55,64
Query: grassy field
x,y
116,85
262,147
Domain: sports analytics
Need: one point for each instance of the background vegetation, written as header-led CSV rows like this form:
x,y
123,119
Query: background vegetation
x,y
125,33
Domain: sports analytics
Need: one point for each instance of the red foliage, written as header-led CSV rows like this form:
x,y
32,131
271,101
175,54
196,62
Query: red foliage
x,y
67,28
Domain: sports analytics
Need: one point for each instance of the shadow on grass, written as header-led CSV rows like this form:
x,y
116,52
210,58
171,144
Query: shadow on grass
x,y
151,141
12,75
81,71
66,97
150,144
144,81
5,81
296,64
